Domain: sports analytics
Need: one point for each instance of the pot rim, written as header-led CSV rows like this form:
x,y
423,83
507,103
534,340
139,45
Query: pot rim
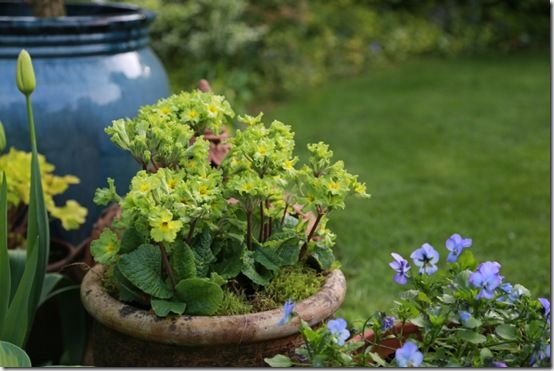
x,y
207,330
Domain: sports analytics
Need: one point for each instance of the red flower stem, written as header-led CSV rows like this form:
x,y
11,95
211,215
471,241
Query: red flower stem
x,y
167,266
304,248
284,214
262,225
249,229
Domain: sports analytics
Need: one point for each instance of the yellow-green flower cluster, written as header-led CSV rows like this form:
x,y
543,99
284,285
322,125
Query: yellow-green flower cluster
x,y
161,134
324,185
17,164
169,203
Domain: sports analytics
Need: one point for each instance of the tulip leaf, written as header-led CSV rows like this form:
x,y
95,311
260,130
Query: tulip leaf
x,y
5,274
13,356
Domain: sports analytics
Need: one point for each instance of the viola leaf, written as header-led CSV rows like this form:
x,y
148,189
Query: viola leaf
x,y
278,360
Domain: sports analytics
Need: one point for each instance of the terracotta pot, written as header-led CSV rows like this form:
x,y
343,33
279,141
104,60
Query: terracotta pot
x,y
387,347
124,335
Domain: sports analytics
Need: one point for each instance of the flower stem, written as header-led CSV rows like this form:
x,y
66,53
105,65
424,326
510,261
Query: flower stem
x,y
191,231
304,248
167,266
262,225
249,229
284,214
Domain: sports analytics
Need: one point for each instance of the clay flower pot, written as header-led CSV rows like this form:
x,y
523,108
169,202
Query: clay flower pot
x,y
124,335
387,347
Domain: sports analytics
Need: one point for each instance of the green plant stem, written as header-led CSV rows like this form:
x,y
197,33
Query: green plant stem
x,y
304,248
167,266
32,132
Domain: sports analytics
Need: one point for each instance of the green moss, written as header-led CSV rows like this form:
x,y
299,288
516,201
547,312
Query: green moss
x,y
295,283
234,303
108,281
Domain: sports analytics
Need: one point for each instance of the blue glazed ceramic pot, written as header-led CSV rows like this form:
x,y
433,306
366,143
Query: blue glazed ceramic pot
x,y
92,66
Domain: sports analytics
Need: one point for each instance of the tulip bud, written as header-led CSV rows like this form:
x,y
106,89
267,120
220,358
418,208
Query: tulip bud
x,y
25,75
2,137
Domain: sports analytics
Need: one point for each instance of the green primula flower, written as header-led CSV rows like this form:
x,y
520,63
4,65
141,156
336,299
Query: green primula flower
x,y
164,228
105,248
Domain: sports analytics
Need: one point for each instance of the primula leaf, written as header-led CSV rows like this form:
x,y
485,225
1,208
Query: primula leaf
x,y
324,256
249,270
201,296
278,361
13,356
130,240
507,332
268,257
202,253
127,292
163,307
229,263
183,261
142,268
470,336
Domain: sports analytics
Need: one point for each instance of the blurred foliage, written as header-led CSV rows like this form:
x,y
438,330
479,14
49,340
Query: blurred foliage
x,y
248,48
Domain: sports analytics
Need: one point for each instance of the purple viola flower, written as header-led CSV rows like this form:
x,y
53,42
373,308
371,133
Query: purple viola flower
x,y
546,306
388,323
541,354
288,308
401,266
408,355
499,364
425,258
487,278
338,329
464,316
456,244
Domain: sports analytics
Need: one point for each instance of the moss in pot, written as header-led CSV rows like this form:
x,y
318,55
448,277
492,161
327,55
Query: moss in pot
x,y
203,257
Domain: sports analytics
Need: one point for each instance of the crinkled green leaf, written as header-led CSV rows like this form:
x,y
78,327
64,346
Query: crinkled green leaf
x,y
127,291
202,296
324,256
143,268
130,240
163,307
249,270
229,263
104,196
13,356
268,257
279,360
202,253
183,261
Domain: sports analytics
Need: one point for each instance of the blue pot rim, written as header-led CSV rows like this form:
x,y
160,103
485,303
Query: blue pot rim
x,y
101,15
88,29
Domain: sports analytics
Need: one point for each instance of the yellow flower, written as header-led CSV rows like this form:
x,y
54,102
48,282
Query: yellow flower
x,y
334,187
165,110
213,109
192,115
164,228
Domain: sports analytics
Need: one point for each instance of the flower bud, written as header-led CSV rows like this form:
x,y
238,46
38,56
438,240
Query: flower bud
x,y
2,137
25,75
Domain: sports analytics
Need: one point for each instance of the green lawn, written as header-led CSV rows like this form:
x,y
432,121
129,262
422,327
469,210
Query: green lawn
x,y
445,146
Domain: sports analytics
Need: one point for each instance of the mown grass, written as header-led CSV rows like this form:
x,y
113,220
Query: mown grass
x,y
444,145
